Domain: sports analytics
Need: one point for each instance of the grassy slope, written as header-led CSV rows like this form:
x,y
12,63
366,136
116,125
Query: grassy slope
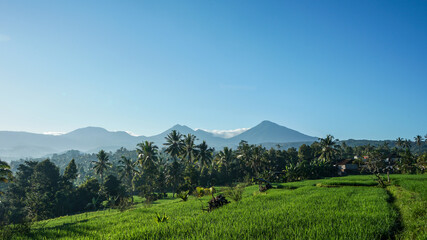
x,y
414,183
410,194
308,212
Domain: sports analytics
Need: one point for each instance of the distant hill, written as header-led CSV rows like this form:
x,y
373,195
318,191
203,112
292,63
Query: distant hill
x,y
15,145
269,132
213,141
91,139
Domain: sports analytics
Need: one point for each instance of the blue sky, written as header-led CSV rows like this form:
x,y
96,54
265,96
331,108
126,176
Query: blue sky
x,y
354,69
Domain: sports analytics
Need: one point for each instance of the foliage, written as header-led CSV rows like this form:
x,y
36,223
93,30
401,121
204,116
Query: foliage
x,y
235,193
38,190
5,173
70,173
264,188
189,150
204,154
148,159
200,191
102,164
147,154
174,144
127,170
113,189
217,202
161,218
124,204
87,196
183,195
11,231
413,212
174,175
307,212
40,199
328,151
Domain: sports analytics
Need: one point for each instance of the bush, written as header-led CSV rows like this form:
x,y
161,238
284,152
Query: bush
x,y
200,191
217,202
265,188
235,193
183,195
124,204
10,231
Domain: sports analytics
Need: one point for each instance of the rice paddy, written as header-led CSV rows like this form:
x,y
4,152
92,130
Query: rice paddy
x,y
348,208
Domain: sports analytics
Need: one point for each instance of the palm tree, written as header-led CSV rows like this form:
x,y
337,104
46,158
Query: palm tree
x,y
127,169
102,164
244,152
256,160
204,154
174,144
407,144
225,157
147,154
327,148
399,142
189,150
419,141
174,175
148,158
367,149
5,173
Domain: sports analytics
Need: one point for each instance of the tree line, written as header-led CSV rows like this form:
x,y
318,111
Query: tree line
x,y
40,190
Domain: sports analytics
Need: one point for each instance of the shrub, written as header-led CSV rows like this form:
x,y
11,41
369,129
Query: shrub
x,y
235,193
217,202
9,231
200,191
183,195
161,218
265,188
124,204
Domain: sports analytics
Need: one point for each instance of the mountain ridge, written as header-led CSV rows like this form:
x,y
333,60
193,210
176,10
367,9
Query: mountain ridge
x,y
268,131
15,145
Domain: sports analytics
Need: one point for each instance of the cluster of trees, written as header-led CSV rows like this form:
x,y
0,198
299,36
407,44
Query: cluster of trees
x,y
400,159
39,190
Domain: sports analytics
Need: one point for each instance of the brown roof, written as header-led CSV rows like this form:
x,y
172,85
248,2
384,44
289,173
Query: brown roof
x,y
344,162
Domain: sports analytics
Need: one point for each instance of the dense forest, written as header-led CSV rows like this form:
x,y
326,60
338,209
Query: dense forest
x,y
74,182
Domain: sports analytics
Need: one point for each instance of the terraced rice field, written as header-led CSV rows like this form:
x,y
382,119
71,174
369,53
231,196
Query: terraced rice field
x,y
337,208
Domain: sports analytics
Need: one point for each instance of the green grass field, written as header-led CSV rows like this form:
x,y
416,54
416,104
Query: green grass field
x,y
337,208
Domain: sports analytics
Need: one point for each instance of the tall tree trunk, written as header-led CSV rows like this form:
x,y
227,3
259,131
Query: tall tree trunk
x,y
380,181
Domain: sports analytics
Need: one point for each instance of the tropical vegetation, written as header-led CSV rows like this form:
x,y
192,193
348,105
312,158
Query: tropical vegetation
x,y
117,182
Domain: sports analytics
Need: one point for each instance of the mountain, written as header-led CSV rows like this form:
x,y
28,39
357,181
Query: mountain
x,y
201,135
95,138
15,145
269,132
159,139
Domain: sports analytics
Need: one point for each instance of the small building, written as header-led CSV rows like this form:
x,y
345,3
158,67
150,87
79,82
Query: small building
x,y
346,166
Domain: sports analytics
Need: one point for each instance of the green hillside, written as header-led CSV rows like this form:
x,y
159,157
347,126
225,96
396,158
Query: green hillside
x,y
337,208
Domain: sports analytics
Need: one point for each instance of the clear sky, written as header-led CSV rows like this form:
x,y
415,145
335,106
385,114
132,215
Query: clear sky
x,y
354,69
